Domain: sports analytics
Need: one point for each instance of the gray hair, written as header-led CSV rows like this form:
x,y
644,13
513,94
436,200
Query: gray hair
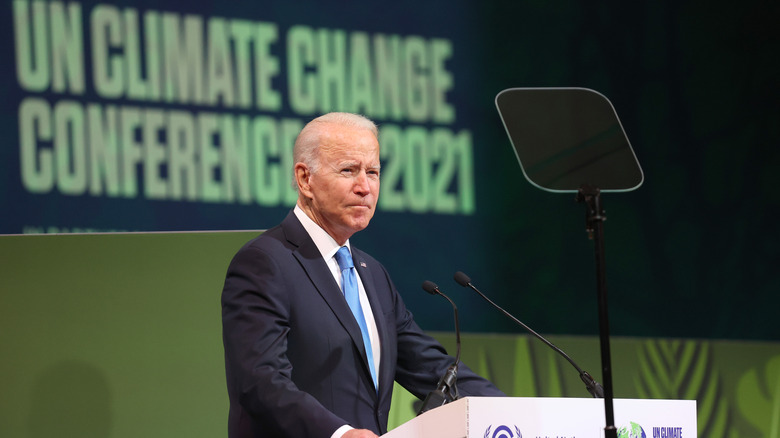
x,y
309,139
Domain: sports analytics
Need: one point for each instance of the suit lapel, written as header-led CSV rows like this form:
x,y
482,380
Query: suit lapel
x,y
318,272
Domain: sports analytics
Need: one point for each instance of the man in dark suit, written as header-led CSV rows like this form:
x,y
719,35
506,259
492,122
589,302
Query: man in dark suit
x,y
301,360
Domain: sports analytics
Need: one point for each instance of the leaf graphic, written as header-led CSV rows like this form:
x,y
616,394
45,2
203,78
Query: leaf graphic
x,y
555,379
676,369
482,367
537,374
758,398
524,382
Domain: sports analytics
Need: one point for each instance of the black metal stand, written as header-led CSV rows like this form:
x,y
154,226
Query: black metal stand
x,y
594,225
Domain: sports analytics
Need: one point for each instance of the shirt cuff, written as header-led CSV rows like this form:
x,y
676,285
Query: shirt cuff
x,y
341,431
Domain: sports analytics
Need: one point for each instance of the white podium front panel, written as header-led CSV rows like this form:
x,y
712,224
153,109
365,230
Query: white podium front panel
x,y
517,417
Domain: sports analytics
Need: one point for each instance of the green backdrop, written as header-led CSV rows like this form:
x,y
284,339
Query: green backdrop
x,y
692,253
119,335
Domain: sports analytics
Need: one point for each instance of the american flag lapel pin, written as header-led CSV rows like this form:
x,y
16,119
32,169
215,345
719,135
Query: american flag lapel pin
x,y
363,264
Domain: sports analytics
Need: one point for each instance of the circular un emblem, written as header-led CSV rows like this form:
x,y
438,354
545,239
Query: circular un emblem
x,y
632,431
503,432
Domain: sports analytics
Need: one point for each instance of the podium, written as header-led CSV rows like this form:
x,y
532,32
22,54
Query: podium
x,y
540,417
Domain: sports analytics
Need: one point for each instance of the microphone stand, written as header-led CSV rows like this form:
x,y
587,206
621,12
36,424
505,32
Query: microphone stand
x,y
594,226
447,390
594,388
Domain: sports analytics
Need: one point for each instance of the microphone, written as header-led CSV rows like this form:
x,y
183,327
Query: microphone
x,y
593,387
446,391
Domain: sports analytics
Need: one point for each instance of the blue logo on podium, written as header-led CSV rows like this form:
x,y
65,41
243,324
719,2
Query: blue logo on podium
x,y
503,432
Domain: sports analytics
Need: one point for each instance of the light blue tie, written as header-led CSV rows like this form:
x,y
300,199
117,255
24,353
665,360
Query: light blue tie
x,y
352,295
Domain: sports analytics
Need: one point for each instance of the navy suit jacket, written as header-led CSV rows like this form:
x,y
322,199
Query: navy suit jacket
x,y
294,356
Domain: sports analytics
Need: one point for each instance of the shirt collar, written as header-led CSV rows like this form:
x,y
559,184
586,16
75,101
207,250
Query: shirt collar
x,y
324,242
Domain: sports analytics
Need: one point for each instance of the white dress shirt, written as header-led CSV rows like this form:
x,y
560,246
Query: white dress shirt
x,y
328,248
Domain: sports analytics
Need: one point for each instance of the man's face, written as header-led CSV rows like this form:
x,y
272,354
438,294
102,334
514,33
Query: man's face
x,y
345,188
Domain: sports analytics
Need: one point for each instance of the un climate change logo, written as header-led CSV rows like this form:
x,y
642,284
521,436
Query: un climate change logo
x,y
503,432
632,431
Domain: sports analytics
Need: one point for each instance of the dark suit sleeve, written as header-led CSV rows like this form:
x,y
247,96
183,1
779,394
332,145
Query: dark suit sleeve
x,y
422,360
255,316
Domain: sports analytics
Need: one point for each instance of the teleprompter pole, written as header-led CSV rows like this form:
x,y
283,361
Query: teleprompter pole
x,y
594,225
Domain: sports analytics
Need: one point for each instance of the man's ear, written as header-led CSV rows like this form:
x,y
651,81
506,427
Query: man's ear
x,y
303,179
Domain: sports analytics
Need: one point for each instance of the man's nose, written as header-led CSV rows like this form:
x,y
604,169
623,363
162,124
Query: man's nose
x,y
362,185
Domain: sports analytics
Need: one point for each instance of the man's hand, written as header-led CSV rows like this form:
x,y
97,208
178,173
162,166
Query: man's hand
x,y
359,433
